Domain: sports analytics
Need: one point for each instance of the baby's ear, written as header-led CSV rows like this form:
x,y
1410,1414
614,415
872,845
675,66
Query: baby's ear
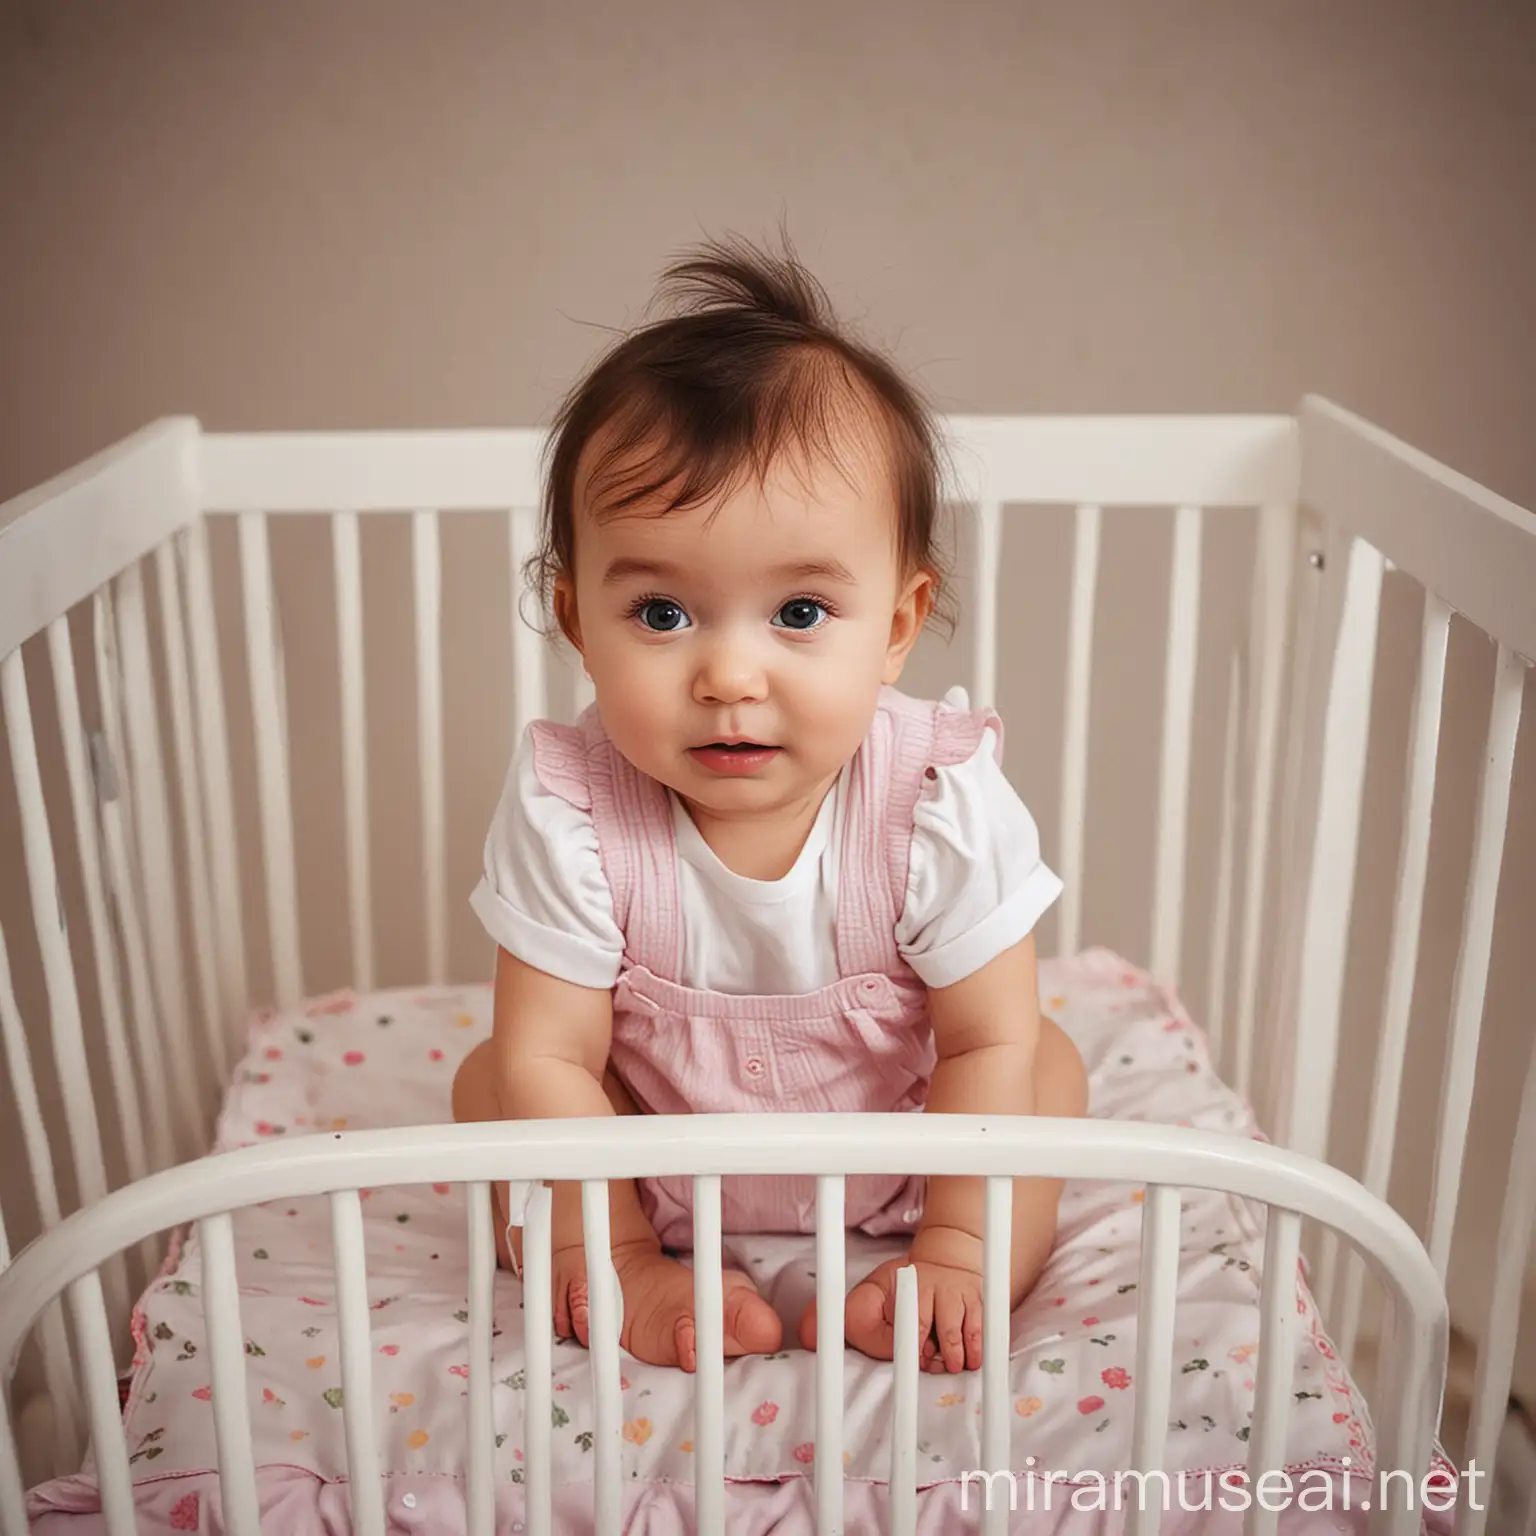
x,y
912,610
564,600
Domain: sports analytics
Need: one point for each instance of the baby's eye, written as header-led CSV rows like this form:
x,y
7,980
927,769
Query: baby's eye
x,y
802,613
662,614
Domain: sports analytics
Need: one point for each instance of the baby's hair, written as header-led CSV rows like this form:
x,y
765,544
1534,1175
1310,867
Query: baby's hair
x,y
753,362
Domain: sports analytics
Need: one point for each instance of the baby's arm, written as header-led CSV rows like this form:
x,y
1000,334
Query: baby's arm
x,y
550,1042
986,1036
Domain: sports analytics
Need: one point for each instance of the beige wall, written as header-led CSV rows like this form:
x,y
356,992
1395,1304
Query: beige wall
x,y
320,215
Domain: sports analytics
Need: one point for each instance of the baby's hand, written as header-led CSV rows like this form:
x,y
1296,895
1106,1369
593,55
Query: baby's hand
x,y
948,1315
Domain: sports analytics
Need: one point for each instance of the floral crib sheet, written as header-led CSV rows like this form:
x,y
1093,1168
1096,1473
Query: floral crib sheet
x,y
350,1061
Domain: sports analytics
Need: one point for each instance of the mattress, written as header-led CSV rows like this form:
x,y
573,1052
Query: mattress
x,y
387,1058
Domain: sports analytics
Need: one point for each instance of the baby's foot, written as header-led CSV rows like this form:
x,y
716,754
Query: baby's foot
x,y
948,1316
658,1325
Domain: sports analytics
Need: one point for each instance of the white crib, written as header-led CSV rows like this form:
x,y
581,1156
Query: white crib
x,y
126,790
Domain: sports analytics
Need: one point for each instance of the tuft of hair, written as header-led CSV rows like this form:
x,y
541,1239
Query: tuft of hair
x,y
750,362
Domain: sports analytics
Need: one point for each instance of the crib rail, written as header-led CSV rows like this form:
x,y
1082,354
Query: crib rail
x,y
833,1147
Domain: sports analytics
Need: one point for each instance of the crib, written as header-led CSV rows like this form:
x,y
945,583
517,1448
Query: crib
x,y
180,1085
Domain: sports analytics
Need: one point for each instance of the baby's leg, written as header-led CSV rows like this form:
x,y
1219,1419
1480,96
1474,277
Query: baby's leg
x,y
658,1290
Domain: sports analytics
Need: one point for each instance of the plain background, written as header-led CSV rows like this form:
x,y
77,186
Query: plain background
x,y
392,215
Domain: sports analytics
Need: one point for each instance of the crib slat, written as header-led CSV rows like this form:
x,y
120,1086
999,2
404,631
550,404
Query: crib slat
x,y
13,1493
1270,610
82,802
262,651
1408,911
1496,1351
89,1312
218,796
122,890
426,565
604,1303
354,741
226,1359
65,1031
830,1291
152,823
538,1329
996,1326
194,834
1074,768
1277,1358
528,690
482,1423
904,1407
1349,676
1178,722
57,1369
1158,1287
985,575
1221,926
349,1243
1476,947
709,1383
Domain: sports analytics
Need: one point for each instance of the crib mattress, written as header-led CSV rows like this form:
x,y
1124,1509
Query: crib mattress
x,y
387,1058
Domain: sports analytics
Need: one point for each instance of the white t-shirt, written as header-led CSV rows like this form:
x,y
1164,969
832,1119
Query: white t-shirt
x,y
976,885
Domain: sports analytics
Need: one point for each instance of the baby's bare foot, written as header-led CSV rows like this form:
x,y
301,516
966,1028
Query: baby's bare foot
x,y
658,1325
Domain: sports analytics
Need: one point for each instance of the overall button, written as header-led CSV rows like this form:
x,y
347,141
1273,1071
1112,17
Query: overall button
x,y
754,1066
870,984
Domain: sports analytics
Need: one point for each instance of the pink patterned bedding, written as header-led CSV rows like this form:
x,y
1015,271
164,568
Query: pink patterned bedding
x,y
353,1061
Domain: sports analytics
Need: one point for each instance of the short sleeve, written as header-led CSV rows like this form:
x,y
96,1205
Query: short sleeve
x,y
542,894
976,882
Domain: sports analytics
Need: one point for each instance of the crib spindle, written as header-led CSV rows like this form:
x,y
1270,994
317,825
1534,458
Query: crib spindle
x,y
709,1335
350,1246
1346,677
528,691
193,824
263,651
604,1306
1158,1282
538,1330
66,1032
218,795
1074,767
125,1089
1408,910
831,1288
347,560
904,1355
1496,1352
1270,608
57,1370
1476,948
482,1423
985,576
1178,724
122,890
152,821
996,1321
1277,1358
226,1359
426,566
88,1310
13,1493
1221,924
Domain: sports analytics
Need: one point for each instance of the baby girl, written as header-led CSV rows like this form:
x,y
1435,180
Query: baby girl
x,y
756,875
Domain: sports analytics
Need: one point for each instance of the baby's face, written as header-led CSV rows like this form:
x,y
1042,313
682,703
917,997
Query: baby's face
x,y
771,617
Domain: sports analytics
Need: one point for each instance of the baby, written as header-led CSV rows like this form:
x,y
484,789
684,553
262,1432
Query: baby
x,y
755,875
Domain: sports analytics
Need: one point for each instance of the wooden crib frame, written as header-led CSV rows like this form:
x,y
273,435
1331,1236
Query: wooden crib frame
x,y
1336,504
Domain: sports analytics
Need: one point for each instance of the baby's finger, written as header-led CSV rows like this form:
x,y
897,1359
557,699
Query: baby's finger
x,y
949,1325
973,1332
580,1320
925,1321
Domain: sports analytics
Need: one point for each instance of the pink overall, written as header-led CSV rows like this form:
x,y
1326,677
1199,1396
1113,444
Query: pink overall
x,y
861,1043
